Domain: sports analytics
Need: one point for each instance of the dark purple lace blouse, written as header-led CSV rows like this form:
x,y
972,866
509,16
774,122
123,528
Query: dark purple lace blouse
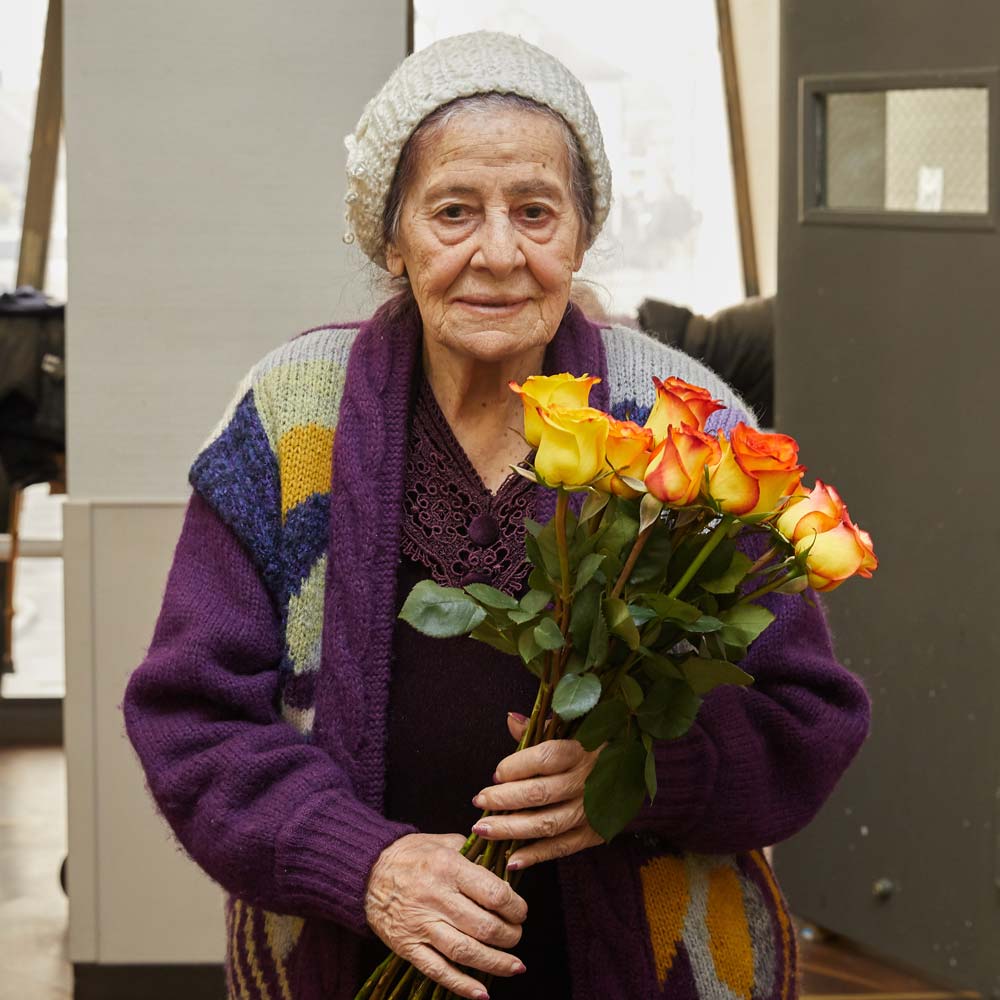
x,y
449,699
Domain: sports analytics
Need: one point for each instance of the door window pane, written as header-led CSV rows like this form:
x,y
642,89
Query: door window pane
x,y
920,150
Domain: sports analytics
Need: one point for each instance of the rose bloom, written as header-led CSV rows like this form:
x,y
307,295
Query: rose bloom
x,y
755,472
628,449
817,522
678,403
676,472
571,451
543,390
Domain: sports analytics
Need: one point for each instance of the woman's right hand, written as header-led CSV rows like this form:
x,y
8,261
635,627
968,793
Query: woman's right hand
x,y
429,904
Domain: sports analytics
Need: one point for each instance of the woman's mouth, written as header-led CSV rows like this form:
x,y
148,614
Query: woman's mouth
x,y
496,308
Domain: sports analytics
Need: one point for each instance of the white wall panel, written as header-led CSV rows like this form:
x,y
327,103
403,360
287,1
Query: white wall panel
x,y
205,162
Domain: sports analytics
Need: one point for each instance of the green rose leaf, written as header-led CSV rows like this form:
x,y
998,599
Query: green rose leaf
x,y
490,596
650,772
732,578
704,675
495,638
535,601
596,502
706,623
614,791
671,609
589,565
441,612
744,623
668,710
631,691
620,621
603,722
527,647
575,694
548,636
581,617
597,647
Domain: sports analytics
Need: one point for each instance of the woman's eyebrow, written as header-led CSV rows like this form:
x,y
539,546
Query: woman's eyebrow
x,y
520,189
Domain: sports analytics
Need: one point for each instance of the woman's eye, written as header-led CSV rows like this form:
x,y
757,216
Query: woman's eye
x,y
535,213
454,212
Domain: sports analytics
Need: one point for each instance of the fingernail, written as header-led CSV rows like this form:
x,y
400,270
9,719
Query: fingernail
x,y
513,866
481,995
496,777
517,717
479,802
518,968
483,829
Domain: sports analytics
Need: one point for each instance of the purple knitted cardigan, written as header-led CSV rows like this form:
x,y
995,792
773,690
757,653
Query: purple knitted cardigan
x,y
289,822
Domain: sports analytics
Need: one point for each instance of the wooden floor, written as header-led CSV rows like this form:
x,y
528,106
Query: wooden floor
x,y
33,909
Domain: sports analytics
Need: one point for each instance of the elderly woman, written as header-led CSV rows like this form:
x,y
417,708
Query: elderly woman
x,y
320,759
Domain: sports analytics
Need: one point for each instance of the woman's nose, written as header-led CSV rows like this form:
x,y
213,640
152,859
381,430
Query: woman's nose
x,y
499,250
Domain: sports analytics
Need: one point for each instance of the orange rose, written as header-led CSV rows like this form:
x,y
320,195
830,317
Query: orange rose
x,y
835,548
676,471
678,403
755,472
571,451
543,390
628,450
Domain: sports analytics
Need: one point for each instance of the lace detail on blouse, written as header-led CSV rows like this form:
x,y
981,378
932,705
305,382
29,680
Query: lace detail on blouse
x,y
452,524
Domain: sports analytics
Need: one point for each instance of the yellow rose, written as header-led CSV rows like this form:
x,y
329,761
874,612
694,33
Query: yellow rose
x,y
822,503
628,450
820,527
571,451
678,403
756,471
676,472
545,390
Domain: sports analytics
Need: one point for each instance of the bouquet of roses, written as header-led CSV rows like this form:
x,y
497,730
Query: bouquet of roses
x,y
643,601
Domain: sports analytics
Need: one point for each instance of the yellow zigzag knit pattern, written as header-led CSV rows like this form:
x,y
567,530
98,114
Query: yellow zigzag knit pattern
x,y
710,906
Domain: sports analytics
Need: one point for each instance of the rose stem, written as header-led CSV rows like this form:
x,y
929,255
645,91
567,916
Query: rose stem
x,y
371,981
768,587
397,993
422,989
388,976
637,548
699,560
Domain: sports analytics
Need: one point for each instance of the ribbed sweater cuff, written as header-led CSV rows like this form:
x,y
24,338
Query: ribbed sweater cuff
x,y
324,855
685,777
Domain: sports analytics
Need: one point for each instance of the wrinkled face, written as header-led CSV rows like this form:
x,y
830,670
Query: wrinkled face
x,y
489,236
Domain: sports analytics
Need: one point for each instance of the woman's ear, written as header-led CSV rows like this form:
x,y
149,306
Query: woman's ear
x,y
394,261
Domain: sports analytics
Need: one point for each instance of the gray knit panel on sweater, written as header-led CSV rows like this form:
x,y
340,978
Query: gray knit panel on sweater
x,y
635,357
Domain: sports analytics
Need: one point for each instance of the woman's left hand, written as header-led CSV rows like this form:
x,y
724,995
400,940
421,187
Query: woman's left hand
x,y
542,786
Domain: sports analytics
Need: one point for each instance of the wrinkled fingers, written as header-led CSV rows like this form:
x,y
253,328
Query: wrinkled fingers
x,y
531,824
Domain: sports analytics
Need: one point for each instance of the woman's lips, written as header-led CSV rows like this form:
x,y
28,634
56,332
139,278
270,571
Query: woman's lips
x,y
494,309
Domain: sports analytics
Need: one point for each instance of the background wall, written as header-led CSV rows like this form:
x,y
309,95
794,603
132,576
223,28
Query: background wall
x,y
205,157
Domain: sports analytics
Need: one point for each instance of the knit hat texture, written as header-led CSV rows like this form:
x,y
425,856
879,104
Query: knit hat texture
x,y
476,63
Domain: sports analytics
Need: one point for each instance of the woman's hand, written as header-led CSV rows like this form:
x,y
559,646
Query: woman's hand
x,y
429,904
545,785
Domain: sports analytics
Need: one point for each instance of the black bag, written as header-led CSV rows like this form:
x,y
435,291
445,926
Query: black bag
x,y
32,386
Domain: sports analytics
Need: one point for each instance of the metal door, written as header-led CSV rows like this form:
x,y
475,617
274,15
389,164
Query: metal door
x,y
888,372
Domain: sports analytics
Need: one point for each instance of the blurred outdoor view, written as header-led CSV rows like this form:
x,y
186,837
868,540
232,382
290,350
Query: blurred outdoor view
x,y
672,233
22,30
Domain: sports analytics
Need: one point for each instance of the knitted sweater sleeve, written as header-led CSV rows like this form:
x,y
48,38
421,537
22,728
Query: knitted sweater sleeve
x,y
270,817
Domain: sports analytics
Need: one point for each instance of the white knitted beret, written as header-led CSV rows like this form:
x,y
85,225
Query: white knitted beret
x,y
477,63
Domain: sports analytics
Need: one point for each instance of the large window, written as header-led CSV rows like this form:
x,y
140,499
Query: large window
x,y
22,32
654,76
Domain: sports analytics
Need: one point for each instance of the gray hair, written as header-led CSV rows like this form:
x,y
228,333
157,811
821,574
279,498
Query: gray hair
x,y
581,187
